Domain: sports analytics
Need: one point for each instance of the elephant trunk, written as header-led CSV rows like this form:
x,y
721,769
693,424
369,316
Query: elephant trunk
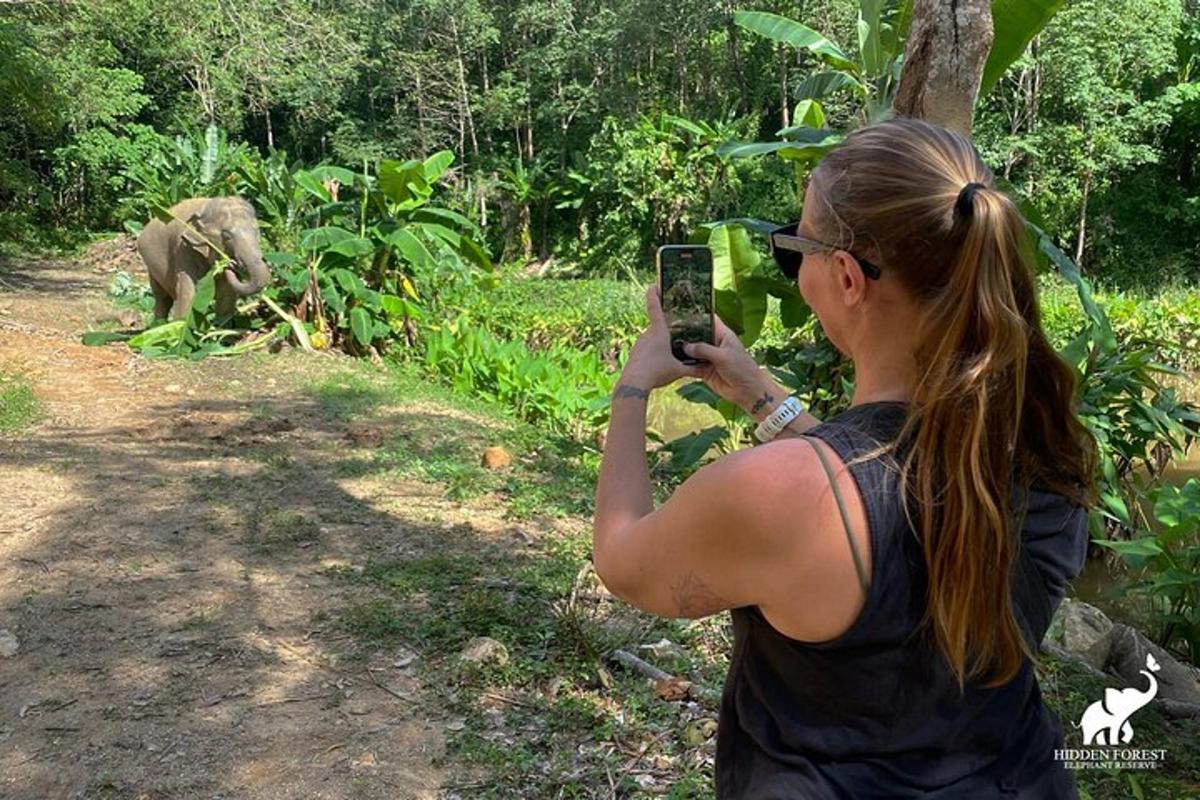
x,y
248,256
260,276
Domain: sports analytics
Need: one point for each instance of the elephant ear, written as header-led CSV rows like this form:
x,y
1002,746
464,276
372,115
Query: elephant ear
x,y
191,236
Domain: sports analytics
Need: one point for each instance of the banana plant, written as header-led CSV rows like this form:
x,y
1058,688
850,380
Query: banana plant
x,y
287,197
190,165
355,277
872,75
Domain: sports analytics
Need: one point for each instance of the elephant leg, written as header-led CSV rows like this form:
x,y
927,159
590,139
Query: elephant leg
x,y
162,300
225,301
185,292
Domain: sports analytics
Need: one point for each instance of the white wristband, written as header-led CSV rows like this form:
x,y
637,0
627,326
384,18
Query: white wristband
x,y
778,419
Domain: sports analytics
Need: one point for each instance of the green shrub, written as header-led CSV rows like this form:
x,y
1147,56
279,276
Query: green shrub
x,y
1171,315
562,387
362,257
1170,559
127,292
168,170
597,314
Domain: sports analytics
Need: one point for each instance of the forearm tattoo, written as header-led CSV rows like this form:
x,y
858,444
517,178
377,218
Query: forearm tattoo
x,y
625,390
762,401
695,599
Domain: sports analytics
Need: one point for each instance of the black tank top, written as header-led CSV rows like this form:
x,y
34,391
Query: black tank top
x,y
876,712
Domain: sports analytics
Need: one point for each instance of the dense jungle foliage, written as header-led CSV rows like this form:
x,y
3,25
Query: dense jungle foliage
x,y
555,112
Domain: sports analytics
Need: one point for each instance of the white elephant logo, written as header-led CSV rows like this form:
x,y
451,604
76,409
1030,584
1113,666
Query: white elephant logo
x,y
1106,722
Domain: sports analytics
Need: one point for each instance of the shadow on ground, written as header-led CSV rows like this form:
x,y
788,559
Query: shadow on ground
x,y
176,588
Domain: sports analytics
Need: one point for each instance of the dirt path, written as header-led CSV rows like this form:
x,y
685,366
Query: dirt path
x,y
165,552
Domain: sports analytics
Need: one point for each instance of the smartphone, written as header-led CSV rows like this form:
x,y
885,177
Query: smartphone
x,y
685,284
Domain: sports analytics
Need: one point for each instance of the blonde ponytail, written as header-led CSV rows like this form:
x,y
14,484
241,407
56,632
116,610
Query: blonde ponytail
x,y
992,403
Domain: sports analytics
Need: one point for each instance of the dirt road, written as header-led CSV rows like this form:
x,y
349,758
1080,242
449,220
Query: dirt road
x,y
165,551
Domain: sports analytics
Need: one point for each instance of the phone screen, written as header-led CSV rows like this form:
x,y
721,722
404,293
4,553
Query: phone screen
x,y
685,281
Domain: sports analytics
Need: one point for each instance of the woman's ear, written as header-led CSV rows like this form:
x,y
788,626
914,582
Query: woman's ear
x,y
851,278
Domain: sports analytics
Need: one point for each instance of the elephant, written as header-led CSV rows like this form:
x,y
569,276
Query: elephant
x,y
1106,722
177,254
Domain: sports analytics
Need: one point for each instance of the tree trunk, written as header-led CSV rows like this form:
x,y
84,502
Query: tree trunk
x,y
487,129
464,94
680,77
947,47
481,187
270,133
1083,209
544,238
1035,87
526,231
564,122
1035,95
528,137
735,57
420,108
784,101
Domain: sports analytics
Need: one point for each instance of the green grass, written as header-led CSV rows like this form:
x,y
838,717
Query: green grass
x,y
586,313
19,407
540,746
602,719
280,529
600,314
549,475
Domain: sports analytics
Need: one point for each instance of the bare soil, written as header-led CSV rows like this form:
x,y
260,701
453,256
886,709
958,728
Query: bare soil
x,y
166,540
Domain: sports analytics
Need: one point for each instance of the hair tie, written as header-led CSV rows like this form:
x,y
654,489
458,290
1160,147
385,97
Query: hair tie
x,y
965,204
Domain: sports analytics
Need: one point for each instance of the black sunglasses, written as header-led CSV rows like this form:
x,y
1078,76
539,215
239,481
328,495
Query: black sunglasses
x,y
788,249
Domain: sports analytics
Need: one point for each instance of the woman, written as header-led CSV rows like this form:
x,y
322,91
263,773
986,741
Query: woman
x,y
878,651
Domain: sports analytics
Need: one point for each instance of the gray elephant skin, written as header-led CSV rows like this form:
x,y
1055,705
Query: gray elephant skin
x,y
177,257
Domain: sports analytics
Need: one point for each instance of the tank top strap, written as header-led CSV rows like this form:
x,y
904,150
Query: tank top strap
x,y
863,577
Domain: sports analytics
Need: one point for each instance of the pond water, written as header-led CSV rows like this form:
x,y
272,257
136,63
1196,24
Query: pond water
x,y
672,416
1102,577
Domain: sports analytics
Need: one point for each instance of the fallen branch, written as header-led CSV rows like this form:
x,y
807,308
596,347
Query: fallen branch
x,y
638,665
296,325
663,681
392,692
301,699
500,698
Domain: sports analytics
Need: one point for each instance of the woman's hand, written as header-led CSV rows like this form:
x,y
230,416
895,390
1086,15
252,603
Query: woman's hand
x,y
651,363
732,372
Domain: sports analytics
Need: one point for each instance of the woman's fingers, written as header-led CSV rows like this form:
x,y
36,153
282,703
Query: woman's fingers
x,y
725,336
708,352
653,303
